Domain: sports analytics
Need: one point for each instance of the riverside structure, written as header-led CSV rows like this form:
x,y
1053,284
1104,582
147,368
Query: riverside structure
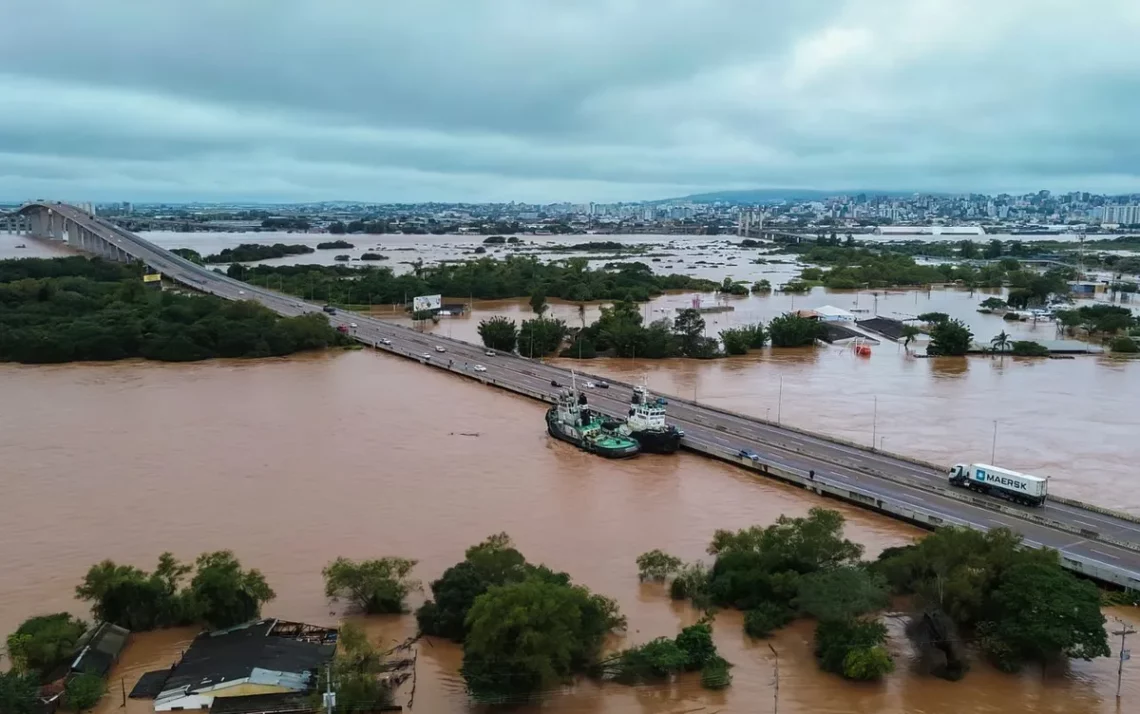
x,y
1093,541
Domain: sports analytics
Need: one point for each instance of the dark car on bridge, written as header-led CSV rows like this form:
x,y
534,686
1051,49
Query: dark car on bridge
x,y
329,309
748,454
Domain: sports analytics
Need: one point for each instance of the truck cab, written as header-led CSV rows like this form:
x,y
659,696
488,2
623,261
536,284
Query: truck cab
x,y
959,474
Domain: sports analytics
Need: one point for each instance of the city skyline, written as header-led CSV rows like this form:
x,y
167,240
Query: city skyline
x,y
604,101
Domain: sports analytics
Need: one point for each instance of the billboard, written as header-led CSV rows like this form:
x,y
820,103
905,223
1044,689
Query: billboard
x,y
152,278
426,302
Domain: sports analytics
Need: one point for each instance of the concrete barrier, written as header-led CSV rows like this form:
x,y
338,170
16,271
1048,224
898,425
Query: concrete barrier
x,y
910,513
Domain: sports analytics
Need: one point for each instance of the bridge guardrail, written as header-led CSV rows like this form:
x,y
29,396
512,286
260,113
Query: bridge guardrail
x,y
851,494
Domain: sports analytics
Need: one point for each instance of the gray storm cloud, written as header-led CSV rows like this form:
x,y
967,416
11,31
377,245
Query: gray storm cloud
x,y
541,100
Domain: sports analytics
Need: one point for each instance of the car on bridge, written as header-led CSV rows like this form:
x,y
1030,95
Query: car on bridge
x,y
426,355
490,353
603,385
329,309
480,368
440,348
385,341
748,454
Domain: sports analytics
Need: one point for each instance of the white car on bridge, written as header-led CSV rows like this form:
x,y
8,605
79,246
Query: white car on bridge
x,y
480,368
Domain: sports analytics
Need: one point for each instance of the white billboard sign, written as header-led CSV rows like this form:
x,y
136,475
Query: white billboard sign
x,y
426,302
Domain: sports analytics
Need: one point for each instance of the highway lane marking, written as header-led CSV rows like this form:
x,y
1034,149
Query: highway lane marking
x,y
1107,555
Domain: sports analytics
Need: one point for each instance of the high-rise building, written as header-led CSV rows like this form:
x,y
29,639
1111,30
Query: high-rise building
x,y
1125,215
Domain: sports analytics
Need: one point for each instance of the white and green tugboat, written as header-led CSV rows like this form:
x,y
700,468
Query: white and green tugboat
x,y
572,421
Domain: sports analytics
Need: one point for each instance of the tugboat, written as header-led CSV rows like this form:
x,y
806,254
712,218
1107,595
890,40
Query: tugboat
x,y
572,421
647,425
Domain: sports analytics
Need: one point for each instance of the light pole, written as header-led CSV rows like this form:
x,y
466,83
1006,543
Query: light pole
x,y
776,690
875,421
1124,631
780,401
993,449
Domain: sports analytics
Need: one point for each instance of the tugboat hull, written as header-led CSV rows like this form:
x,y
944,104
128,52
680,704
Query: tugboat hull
x,y
570,436
659,442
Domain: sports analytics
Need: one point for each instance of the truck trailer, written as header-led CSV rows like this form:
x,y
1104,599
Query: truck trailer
x,y
1003,483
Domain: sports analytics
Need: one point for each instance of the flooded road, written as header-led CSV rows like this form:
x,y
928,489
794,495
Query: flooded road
x,y
294,462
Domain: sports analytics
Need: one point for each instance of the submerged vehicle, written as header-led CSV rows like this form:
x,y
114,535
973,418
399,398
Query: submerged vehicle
x,y
572,421
646,423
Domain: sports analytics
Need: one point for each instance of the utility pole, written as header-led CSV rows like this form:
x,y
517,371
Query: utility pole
x,y
776,692
330,695
780,401
1124,631
875,421
993,449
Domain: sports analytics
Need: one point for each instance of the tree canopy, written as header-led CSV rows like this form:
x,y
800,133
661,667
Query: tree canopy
x,y
220,594
19,692
528,636
372,586
42,642
949,338
791,330
74,309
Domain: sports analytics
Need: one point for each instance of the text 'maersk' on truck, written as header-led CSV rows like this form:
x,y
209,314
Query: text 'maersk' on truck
x,y
1003,483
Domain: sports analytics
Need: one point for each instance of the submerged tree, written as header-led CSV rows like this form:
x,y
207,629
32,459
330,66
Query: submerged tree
x,y
372,586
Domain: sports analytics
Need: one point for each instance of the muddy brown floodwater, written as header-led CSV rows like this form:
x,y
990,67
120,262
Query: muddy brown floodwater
x,y
293,462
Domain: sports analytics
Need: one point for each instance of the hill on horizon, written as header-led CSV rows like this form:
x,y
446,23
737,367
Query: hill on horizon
x,y
767,195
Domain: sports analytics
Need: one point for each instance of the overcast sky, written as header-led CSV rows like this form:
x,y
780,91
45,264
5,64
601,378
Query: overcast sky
x,y
547,100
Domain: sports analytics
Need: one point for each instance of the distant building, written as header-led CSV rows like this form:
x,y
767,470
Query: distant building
x,y
1123,215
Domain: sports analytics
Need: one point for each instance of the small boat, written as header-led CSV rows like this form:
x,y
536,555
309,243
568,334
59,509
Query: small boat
x,y
571,420
646,423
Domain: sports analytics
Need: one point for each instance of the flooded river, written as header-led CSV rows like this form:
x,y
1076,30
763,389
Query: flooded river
x,y
293,462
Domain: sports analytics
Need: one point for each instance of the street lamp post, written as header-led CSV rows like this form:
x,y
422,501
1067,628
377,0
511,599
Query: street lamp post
x,y
874,420
780,401
993,449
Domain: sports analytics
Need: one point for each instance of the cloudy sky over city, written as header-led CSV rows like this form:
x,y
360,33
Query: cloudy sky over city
x,y
545,100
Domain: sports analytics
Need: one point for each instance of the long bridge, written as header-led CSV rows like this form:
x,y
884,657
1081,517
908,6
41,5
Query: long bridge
x,y
1094,541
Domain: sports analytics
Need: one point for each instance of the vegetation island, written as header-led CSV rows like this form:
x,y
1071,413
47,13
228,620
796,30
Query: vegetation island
x,y
78,309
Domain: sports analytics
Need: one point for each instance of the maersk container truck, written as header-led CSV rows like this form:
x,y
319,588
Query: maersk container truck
x,y
1003,483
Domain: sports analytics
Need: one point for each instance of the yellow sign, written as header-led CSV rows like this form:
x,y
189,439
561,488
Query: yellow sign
x,y
152,278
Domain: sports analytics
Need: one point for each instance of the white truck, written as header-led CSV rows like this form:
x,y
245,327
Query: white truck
x,y
1003,483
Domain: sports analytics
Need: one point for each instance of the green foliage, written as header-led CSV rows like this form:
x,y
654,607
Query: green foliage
x,y
19,692
692,583
715,674
811,274
767,617
499,333
1022,605
1124,345
691,650
1099,318
486,278
761,287
541,336
495,561
526,637
1028,348
689,328
795,287
949,338
1039,613
132,598
908,333
733,287
248,252
538,302
933,318
223,593
657,565
841,593
738,340
993,303
83,691
332,244
372,586
844,647
760,566
189,254
791,330
373,256
1019,298
358,673
1001,342
73,309
343,257
40,643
